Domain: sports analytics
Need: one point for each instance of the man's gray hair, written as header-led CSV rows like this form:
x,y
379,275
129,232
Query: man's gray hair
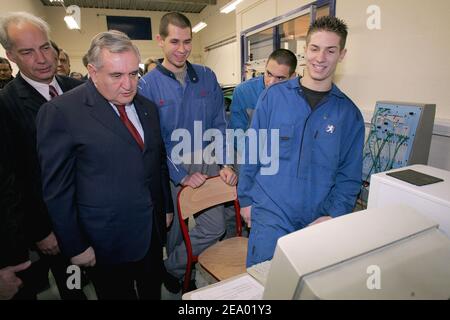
x,y
114,41
18,18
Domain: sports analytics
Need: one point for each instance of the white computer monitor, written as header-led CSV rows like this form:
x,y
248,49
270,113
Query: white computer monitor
x,y
383,253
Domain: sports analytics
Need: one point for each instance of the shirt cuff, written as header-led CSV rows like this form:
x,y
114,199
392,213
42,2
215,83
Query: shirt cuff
x,y
245,201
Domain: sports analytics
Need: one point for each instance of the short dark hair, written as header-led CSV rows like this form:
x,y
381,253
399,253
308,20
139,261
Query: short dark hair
x,y
331,24
174,18
285,57
6,61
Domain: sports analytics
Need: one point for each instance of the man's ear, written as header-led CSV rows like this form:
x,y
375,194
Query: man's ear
x,y
342,55
10,56
160,40
92,70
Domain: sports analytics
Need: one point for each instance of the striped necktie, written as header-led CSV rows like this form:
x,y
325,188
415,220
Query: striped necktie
x,y
52,91
126,121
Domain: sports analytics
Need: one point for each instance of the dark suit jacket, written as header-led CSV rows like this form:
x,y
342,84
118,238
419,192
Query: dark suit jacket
x,y
22,101
13,243
100,188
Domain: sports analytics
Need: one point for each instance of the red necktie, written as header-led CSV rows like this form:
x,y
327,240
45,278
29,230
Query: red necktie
x,y
130,126
52,91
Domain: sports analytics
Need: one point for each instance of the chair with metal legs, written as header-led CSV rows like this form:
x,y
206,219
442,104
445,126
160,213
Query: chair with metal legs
x,y
225,258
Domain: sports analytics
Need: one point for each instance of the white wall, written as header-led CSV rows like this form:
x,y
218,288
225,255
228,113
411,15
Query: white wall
x,y
223,60
220,26
93,21
32,6
407,60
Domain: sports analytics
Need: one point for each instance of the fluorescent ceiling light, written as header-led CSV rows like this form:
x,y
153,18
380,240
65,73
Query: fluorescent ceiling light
x,y
71,23
230,6
72,18
199,26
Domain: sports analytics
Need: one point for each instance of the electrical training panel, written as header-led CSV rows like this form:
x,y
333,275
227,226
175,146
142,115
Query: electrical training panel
x,y
399,135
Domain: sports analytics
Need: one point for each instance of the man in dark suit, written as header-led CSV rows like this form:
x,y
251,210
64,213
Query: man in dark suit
x,y
13,245
26,41
104,172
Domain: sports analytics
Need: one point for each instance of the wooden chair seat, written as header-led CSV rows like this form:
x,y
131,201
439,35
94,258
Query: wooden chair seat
x,y
226,258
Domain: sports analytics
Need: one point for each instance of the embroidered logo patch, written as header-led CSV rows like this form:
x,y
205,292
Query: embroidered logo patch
x,y
330,128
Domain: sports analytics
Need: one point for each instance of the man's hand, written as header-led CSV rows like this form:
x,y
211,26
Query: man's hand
x,y
9,282
319,220
228,176
85,259
194,180
169,219
49,245
246,215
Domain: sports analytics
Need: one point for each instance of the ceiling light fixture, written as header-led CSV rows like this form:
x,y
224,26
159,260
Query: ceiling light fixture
x,y
73,17
230,6
199,26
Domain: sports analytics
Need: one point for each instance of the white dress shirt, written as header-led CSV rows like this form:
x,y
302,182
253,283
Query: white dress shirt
x,y
43,88
133,116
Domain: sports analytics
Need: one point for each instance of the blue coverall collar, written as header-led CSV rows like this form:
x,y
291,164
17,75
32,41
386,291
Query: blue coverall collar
x,y
295,84
261,82
190,71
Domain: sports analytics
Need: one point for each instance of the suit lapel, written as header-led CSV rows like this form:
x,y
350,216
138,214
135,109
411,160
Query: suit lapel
x,y
144,118
102,111
62,84
32,99
65,83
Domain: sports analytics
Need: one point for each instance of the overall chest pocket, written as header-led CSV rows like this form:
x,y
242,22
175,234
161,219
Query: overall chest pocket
x,y
202,107
164,104
166,110
201,94
286,141
327,141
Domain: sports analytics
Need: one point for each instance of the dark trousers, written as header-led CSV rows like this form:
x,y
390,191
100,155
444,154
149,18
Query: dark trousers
x,y
133,280
35,278
28,290
58,264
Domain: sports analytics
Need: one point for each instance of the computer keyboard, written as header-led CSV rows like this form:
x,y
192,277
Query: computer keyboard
x,y
260,271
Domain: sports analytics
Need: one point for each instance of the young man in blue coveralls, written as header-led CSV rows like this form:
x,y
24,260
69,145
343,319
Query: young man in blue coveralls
x,y
321,137
280,66
188,98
